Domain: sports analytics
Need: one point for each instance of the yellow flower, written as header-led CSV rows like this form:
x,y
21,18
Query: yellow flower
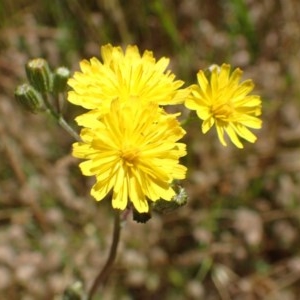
x,y
124,76
133,152
221,100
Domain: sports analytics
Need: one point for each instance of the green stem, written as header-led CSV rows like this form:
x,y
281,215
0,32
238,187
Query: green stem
x,y
62,122
104,272
60,119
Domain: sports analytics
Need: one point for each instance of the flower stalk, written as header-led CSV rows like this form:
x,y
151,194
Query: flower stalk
x,y
104,272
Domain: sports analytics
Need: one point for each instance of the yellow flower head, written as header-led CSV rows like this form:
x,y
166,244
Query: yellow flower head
x,y
126,76
133,152
221,100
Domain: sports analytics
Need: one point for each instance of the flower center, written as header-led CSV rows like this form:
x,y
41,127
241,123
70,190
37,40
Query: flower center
x,y
129,155
222,111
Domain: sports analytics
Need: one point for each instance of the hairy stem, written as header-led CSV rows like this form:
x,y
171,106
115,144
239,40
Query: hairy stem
x,y
62,122
59,118
104,272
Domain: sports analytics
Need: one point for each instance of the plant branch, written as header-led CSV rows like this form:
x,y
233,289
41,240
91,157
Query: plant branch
x,y
59,118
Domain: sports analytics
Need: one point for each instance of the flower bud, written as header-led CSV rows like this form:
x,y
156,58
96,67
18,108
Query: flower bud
x,y
60,78
165,206
39,74
29,98
74,292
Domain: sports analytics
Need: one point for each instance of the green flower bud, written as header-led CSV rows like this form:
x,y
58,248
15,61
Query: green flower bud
x,y
60,78
74,292
39,74
165,206
29,98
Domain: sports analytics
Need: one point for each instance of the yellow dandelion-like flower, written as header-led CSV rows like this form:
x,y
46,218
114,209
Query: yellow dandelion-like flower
x,y
222,100
132,150
125,76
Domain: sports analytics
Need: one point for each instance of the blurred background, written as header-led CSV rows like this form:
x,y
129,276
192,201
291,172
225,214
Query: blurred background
x,y
239,235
